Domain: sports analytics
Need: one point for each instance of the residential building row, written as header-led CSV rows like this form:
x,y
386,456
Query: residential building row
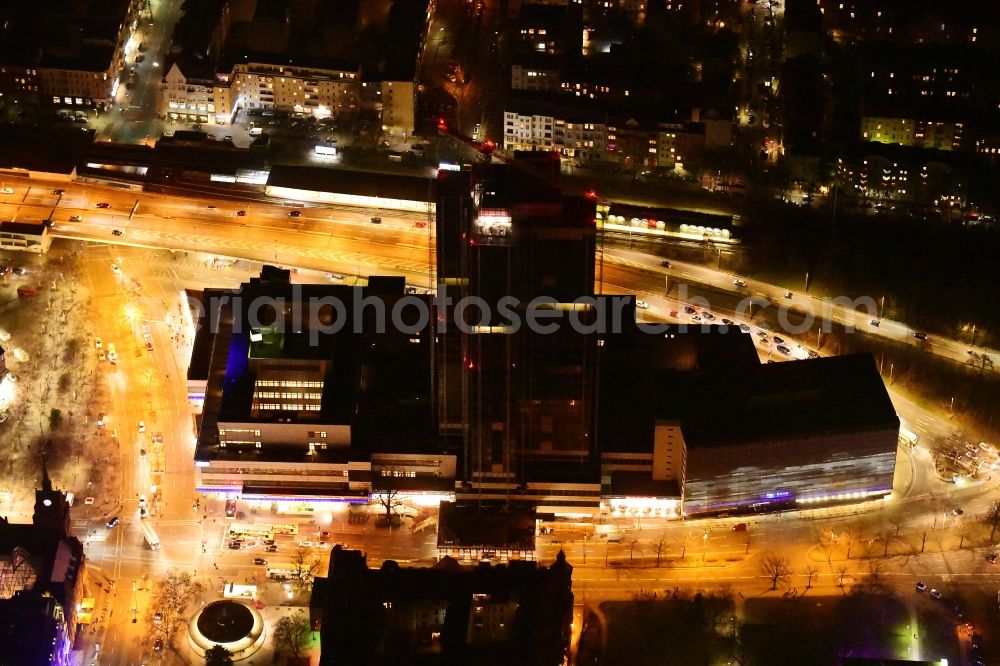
x,y
195,91
589,135
70,55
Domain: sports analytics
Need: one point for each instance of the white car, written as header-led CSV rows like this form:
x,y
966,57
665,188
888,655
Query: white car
x,y
6,190
98,343
20,354
142,426
739,283
642,305
4,335
115,268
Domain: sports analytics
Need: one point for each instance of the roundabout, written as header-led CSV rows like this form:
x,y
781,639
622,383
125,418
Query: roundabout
x,y
234,625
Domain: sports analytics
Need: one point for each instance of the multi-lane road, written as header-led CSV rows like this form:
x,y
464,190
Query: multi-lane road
x,y
346,242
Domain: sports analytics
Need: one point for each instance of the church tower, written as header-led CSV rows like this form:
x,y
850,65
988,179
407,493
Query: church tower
x,y
51,507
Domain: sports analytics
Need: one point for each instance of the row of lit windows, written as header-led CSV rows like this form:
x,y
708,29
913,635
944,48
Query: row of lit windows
x,y
288,407
296,395
272,471
238,431
290,383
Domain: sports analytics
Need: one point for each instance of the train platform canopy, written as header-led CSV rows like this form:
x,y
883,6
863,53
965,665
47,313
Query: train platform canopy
x,y
351,188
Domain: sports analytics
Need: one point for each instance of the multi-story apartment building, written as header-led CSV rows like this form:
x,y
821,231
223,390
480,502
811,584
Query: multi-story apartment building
x,y
71,54
189,92
321,90
195,91
586,134
913,132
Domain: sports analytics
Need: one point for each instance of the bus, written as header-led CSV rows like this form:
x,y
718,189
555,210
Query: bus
x,y
149,534
261,530
281,571
285,529
908,438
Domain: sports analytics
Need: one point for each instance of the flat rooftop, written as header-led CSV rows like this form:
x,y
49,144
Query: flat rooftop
x,y
357,183
790,399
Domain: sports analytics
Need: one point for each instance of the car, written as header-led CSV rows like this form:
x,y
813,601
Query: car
x,y
664,264
75,218
142,426
707,316
234,545
100,355
157,617
739,283
762,335
115,268
6,190
158,645
935,594
58,193
695,318
642,305
875,323
992,558
376,220
50,223
921,587
268,542
728,322
745,328
740,527
100,419
259,561
813,353
957,511
104,204
117,232
689,310
149,346
777,340
294,213
420,225
673,313
271,549
228,137
142,501
920,336
211,207
788,294
976,641
98,343
784,350
114,522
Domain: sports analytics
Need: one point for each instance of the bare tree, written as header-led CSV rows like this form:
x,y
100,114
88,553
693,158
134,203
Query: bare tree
x,y
776,568
305,567
388,499
842,573
896,519
810,571
171,598
292,633
992,518
659,550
